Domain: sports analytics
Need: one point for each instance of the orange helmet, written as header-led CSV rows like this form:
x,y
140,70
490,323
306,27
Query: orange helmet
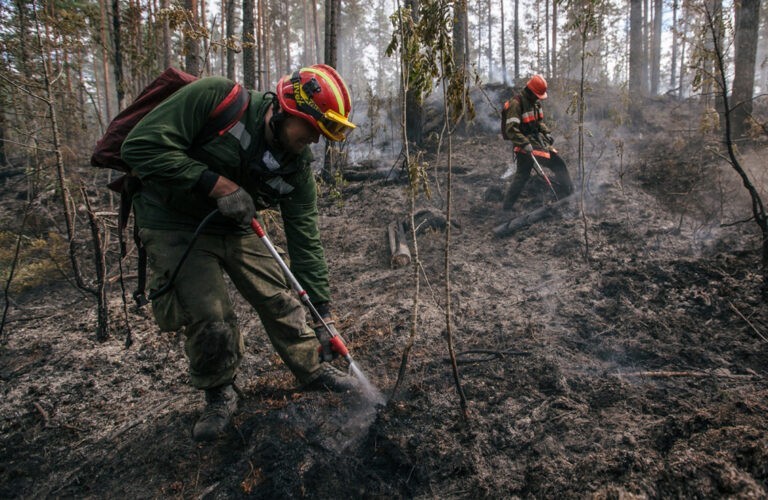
x,y
538,85
318,95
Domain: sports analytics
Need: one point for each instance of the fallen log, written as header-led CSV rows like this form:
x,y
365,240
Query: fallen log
x,y
398,245
526,220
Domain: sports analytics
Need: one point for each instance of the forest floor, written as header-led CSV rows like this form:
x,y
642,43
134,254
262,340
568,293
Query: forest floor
x,y
616,349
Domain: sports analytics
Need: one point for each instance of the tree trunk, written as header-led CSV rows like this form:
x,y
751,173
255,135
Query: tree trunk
x,y
167,44
505,78
516,40
331,26
107,111
554,39
414,119
673,65
398,245
205,58
547,66
316,27
118,64
684,16
656,55
266,40
636,60
510,227
191,46
249,46
229,17
489,51
747,23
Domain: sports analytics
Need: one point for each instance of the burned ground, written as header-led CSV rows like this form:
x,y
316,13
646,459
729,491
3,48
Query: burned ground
x,y
616,349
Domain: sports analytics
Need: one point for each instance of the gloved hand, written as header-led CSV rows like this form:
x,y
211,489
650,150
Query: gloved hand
x,y
528,148
326,352
238,205
549,139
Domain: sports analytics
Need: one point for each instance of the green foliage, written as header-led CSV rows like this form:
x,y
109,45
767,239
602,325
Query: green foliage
x,y
39,262
424,42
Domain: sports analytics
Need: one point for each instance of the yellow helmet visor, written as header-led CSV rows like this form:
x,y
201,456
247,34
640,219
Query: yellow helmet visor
x,y
335,126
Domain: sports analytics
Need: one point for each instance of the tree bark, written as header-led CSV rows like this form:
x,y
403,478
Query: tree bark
x,y
554,39
414,120
249,46
516,40
398,245
118,62
636,59
229,16
316,27
510,227
167,44
191,46
656,52
505,77
673,65
100,263
747,23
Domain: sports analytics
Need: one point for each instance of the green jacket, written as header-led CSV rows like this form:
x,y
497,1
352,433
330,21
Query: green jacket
x,y
161,153
525,120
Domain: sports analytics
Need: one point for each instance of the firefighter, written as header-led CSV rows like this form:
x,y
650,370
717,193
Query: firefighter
x,y
262,162
524,126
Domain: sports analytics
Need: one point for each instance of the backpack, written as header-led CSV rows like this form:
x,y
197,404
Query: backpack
x,y
505,115
106,154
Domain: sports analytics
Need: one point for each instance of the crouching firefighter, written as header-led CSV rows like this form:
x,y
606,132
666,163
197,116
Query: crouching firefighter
x,y
262,161
524,126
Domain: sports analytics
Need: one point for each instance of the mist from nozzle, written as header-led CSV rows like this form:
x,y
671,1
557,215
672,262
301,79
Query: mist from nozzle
x,y
369,391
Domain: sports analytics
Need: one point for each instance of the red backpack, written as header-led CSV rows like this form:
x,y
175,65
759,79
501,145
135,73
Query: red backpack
x,y
106,154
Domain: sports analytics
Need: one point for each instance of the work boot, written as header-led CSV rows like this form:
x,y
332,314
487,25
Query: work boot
x,y
333,379
221,403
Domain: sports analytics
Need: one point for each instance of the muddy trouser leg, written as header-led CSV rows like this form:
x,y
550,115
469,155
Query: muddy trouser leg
x,y
519,180
260,280
198,302
564,184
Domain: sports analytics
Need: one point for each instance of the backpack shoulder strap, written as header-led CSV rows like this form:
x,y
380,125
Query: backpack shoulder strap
x,y
226,115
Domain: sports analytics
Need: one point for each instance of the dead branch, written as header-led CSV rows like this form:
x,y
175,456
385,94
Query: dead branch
x,y
100,263
747,321
688,374
514,225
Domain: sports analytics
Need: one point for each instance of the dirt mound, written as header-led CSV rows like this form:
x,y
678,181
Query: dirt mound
x,y
612,352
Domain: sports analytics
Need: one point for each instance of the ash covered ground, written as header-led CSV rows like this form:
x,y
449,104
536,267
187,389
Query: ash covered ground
x,y
615,349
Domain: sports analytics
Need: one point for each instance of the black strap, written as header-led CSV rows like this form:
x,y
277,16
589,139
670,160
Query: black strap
x,y
139,295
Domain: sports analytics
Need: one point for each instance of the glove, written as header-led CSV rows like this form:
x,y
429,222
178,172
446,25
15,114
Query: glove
x,y
326,352
238,205
550,140
528,148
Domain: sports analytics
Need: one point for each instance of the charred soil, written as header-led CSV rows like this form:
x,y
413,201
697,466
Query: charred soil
x,y
615,349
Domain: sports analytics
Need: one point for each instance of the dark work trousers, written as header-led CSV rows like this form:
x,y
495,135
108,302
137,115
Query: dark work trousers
x,y
562,181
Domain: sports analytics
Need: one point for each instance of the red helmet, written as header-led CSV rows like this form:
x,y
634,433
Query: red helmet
x,y
537,85
318,95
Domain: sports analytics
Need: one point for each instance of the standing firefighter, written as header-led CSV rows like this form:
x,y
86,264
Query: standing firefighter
x,y
262,161
524,126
